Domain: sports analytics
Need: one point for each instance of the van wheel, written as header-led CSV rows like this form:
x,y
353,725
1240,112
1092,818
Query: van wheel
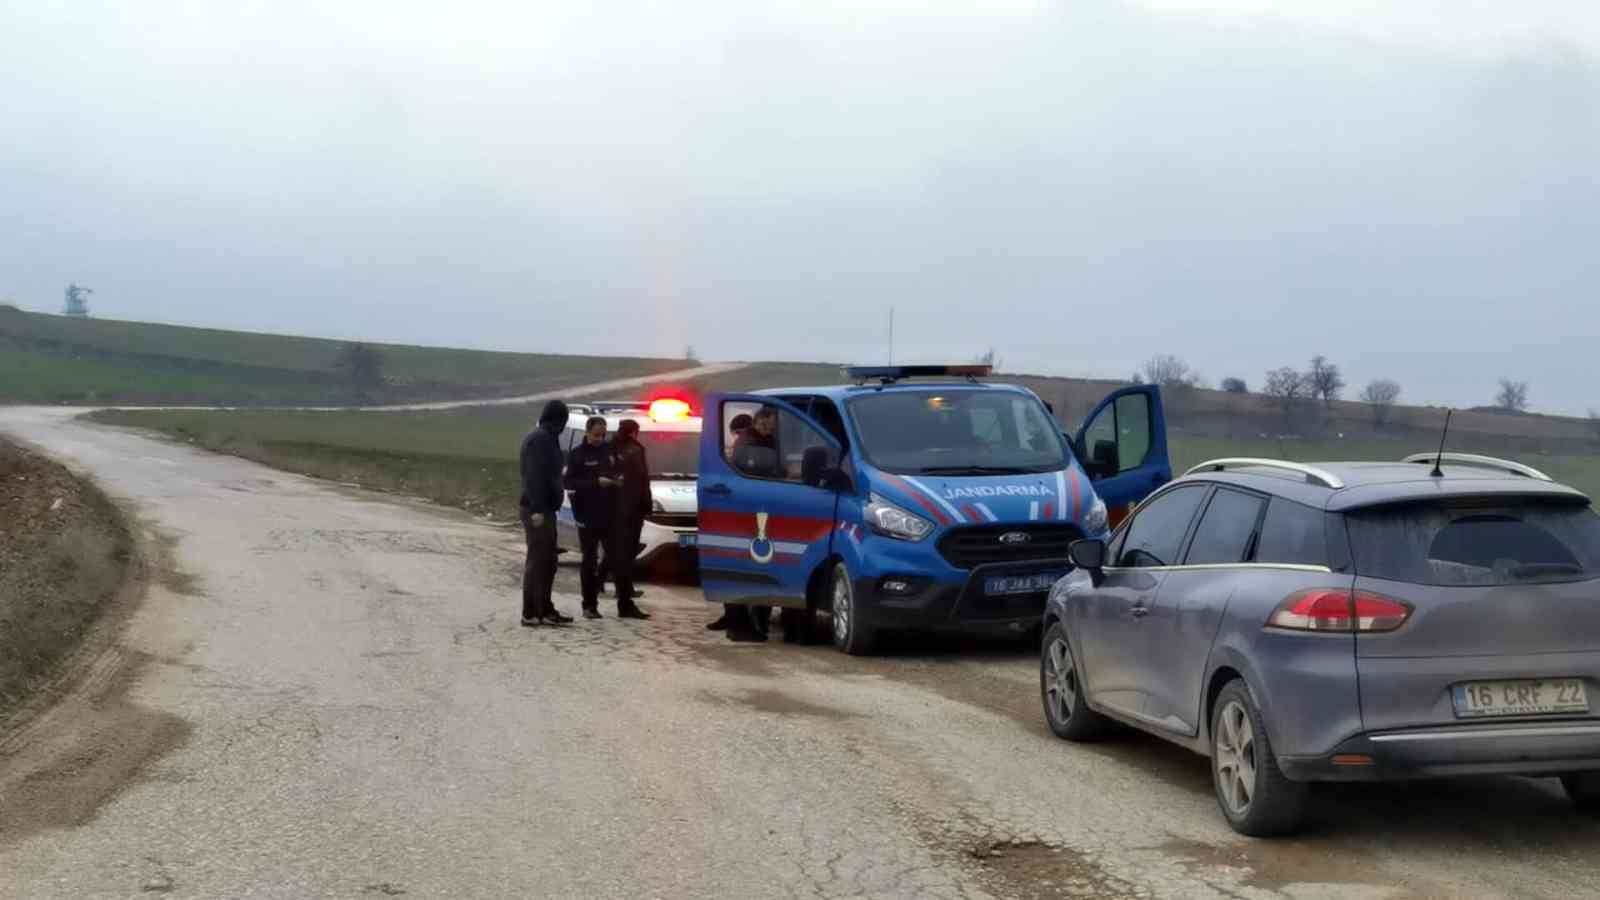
x,y
1583,788
1061,688
1255,797
850,634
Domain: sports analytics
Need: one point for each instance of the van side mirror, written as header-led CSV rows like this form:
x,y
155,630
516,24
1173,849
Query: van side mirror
x,y
836,479
1089,554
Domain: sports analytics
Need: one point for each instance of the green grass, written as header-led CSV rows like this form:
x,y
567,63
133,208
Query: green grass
x,y
55,359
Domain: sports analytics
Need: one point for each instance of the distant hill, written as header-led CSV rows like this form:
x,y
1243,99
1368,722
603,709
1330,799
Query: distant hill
x,y
1253,418
57,359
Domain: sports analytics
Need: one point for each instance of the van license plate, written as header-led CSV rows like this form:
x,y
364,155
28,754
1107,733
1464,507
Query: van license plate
x,y
1532,697
1001,585
688,540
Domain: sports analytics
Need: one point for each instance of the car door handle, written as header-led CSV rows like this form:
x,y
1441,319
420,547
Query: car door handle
x,y
1140,612
719,489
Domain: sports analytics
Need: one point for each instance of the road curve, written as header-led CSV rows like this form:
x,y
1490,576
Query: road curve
x,y
327,694
619,384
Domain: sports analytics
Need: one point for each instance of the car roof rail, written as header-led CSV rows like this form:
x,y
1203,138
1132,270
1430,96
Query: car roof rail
x,y
1313,474
1487,462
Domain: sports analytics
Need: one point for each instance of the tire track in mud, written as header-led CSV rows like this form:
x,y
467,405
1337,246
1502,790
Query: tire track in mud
x,y
82,740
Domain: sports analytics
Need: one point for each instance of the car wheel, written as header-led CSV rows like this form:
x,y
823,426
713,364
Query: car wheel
x,y
1584,789
1060,687
850,634
1255,797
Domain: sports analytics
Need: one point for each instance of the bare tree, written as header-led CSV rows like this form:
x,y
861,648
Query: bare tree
x,y
1513,396
1169,371
1235,386
689,355
363,363
1381,393
1594,421
988,358
1323,380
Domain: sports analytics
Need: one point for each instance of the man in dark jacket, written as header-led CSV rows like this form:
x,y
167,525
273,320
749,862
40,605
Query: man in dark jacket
x,y
541,500
755,452
592,479
633,503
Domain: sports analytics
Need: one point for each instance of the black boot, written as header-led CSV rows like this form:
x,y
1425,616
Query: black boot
x,y
631,611
591,610
721,624
553,616
746,636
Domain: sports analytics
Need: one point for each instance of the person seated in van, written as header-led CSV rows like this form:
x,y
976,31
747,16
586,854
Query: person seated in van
x,y
755,450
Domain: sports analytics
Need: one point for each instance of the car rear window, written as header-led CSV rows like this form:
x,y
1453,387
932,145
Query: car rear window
x,y
1458,545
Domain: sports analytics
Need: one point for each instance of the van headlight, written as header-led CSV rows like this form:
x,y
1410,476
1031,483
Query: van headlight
x,y
1095,520
889,520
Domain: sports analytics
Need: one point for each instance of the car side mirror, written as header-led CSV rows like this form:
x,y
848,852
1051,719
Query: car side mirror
x,y
1090,556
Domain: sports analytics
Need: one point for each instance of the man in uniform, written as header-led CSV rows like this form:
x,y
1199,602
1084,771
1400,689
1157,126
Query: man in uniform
x,y
755,452
592,479
540,501
633,504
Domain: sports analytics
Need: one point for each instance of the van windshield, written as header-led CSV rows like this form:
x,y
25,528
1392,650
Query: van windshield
x,y
958,432
1481,545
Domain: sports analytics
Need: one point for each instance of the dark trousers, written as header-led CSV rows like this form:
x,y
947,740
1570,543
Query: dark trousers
x,y
742,617
539,571
589,569
620,555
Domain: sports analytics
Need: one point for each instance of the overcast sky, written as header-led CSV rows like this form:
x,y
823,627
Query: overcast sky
x,y
1412,188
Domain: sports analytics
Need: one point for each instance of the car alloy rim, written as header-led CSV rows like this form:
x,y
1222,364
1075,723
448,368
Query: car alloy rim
x,y
1236,758
1060,680
841,606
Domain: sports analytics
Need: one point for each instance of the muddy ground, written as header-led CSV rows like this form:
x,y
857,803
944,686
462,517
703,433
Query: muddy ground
x,y
64,553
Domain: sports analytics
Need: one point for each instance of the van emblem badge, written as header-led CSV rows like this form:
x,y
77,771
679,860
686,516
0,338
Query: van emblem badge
x,y
761,549
1015,537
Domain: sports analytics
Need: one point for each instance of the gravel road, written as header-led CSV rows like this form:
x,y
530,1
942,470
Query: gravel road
x,y
325,693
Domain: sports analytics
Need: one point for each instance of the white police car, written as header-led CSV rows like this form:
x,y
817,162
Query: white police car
x,y
670,434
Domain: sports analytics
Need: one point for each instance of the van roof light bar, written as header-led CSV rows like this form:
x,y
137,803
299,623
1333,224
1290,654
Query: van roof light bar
x,y
1312,474
891,374
1485,462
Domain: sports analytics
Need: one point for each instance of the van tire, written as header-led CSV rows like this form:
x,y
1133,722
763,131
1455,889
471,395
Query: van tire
x,y
850,634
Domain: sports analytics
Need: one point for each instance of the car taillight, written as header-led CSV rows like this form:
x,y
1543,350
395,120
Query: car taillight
x,y
1332,609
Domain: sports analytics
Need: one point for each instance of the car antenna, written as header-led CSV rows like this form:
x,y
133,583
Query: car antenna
x,y
1437,460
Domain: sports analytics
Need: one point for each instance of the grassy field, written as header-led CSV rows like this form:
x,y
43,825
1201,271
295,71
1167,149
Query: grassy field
x,y
467,457
55,359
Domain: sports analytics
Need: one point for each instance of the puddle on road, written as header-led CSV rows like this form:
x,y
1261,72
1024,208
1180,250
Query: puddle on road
x,y
1031,870
772,701
1275,865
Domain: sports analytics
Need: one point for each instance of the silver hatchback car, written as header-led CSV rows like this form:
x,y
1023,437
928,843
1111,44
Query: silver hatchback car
x,y
1340,622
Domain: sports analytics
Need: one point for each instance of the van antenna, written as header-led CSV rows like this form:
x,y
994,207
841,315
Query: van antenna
x,y
1437,460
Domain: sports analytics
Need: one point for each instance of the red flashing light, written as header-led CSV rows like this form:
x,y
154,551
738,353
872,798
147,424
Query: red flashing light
x,y
669,409
1332,609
